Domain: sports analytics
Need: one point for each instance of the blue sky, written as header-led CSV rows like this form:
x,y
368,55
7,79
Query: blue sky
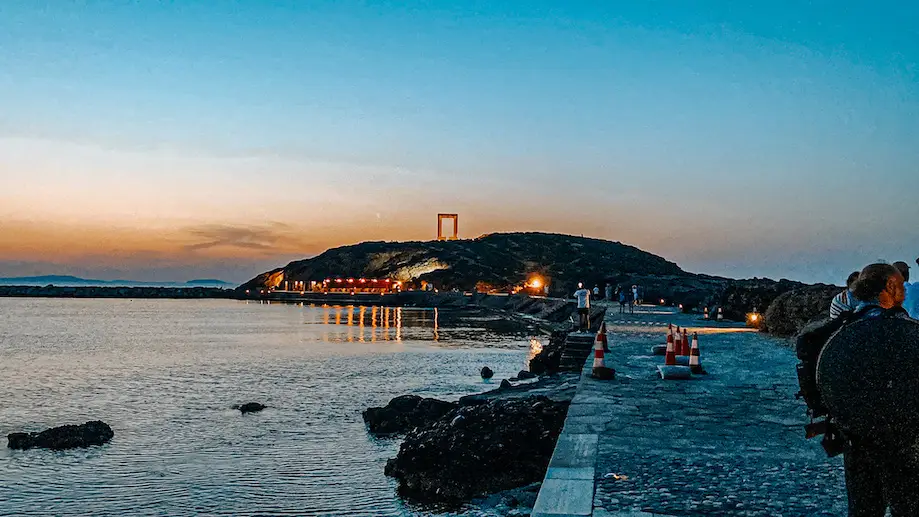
x,y
769,139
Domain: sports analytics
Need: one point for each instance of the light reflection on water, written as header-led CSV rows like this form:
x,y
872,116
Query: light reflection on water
x,y
165,373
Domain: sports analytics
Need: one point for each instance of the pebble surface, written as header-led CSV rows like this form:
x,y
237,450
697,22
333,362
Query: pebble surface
x,y
729,443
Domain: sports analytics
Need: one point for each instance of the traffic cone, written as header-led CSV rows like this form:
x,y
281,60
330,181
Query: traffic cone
x,y
685,343
705,314
670,356
598,351
720,314
602,334
599,370
694,363
681,346
671,369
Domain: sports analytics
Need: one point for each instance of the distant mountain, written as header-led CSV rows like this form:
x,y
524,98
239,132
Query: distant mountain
x,y
74,281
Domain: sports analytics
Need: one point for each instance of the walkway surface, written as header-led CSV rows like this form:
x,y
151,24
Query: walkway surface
x,y
729,443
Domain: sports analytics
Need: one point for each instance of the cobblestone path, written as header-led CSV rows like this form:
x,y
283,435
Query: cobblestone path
x,y
729,443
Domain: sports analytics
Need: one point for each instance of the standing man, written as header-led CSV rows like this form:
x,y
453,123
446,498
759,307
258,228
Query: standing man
x,y
845,301
634,297
609,292
596,291
583,297
911,303
881,465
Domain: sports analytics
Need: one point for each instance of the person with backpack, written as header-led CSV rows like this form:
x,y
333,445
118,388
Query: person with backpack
x,y
838,355
845,301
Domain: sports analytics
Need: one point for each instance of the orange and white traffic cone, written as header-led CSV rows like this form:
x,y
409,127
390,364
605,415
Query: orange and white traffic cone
x,y
705,314
720,314
670,356
602,334
681,346
671,369
598,351
599,370
694,361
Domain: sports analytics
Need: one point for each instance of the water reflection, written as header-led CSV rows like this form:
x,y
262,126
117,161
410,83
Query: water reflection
x,y
68,361
370,324
535,348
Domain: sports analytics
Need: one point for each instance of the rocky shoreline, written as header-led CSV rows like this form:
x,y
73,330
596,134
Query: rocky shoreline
x,y
486,450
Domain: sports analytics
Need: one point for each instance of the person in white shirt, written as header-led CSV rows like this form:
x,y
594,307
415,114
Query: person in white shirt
x,y
911,303
583,297
845,301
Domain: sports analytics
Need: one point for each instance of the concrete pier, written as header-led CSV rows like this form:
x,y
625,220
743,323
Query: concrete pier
x,y
729,443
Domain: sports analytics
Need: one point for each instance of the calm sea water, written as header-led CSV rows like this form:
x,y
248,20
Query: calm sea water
x,y
164,374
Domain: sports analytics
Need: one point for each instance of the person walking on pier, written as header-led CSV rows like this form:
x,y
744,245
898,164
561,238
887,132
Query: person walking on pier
x,y
630,297
622,299
583,297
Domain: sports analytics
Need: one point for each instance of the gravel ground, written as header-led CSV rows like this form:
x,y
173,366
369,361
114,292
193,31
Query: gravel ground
x,y
729,443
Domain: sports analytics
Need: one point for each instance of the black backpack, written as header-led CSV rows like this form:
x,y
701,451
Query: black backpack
x,y
810,343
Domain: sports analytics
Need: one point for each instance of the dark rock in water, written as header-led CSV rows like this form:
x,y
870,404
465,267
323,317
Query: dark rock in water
x,y
546,362
64,437
790,312
487,373
603,373
250,407
524,375
498,445
405,413
505,383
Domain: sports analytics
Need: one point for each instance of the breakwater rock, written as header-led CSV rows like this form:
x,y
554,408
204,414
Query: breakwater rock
x,y
405,413
91,433
479,449
792,311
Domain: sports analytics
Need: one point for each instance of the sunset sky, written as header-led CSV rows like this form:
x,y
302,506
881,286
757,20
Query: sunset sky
x,y
197,139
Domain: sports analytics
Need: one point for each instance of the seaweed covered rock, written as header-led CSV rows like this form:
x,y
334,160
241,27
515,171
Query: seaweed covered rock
x,y
480,449
792,311
91,433
405,413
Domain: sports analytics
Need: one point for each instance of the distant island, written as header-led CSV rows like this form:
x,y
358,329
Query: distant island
x,y
74,281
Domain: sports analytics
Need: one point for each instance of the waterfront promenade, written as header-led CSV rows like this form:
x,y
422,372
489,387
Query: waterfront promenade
x,y
730,443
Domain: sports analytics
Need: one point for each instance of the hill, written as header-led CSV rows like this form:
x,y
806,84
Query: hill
x,y
498,261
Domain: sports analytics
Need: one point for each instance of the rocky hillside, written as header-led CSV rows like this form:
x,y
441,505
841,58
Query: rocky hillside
x,y
502,261
499,261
